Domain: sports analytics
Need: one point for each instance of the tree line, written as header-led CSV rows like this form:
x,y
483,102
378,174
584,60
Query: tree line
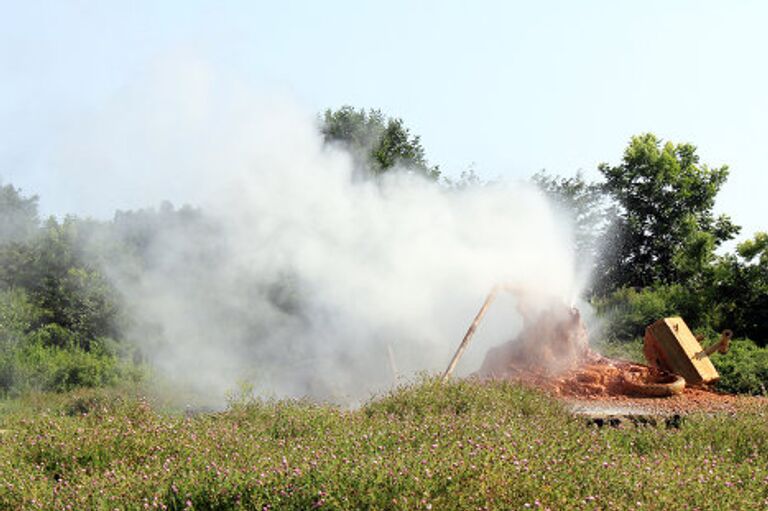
x,y
645,231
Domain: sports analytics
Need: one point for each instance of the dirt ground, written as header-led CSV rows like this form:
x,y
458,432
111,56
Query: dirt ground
x,y
552,353
598,388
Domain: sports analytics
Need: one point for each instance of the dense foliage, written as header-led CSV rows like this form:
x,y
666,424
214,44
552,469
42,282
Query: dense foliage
x,y
377,143
665,198
431,446
60,317
585,204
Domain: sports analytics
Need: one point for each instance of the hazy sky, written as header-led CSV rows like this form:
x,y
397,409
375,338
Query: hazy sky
x,y
510,87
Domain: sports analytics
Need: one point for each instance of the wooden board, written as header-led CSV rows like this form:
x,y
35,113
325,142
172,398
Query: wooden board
x,y
679,348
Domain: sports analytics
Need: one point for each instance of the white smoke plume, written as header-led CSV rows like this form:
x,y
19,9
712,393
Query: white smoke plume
x,y
298,278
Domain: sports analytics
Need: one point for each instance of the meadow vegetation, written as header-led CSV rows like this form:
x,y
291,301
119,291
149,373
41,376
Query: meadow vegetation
x,y
461,446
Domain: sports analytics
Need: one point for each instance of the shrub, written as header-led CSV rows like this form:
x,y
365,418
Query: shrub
x,y
744,369
17,315
53,335
628,311
51,368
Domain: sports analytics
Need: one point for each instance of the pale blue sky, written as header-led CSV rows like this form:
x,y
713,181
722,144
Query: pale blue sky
x,y
512,87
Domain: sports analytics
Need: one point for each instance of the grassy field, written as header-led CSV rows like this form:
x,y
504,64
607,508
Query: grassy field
x,y
459,446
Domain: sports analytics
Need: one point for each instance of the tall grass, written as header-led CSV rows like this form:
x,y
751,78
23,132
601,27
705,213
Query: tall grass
x,y
425,446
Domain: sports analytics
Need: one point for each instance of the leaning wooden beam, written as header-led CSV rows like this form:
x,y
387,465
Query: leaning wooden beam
x,y
721,346
470,332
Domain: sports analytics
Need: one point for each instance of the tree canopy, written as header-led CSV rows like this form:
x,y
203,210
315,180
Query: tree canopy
x,y
652,226
18,214
665,198
376,142
586,205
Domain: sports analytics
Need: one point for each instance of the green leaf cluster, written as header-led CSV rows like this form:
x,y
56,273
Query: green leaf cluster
x,y
665,198
377,143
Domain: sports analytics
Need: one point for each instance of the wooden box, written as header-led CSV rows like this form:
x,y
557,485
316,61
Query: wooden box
x,y
674,348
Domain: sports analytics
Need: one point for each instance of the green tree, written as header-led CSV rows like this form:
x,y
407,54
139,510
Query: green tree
x,y
586,205
18,215
17,315
65,287
739,288
665,198
377,143
756,248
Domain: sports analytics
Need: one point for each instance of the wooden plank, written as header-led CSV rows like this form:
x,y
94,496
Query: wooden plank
x,y
470,333
679,348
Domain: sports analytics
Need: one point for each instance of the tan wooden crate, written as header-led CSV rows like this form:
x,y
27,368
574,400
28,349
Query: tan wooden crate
x,y
674,346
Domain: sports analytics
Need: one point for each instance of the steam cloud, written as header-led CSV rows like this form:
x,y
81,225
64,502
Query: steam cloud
x,y
296,277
